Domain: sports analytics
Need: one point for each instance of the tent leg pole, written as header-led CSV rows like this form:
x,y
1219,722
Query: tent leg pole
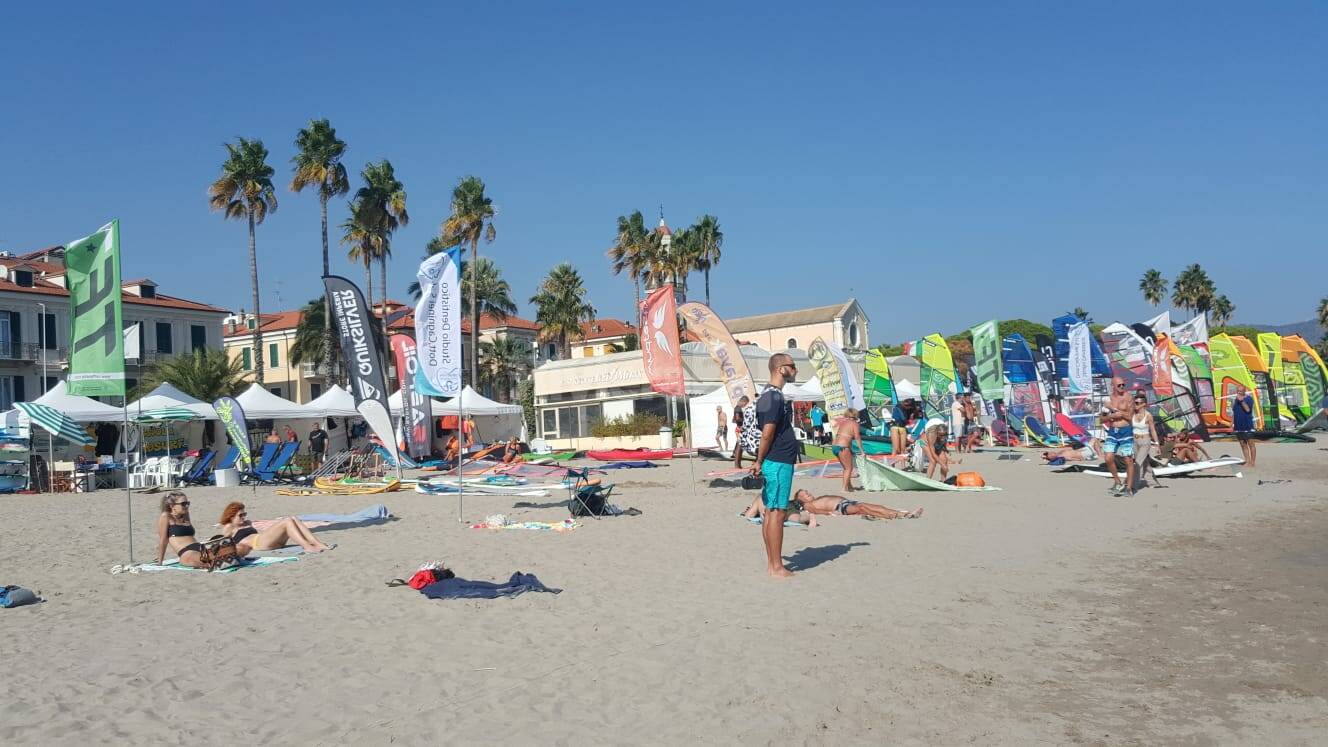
x,y
129,495
461,455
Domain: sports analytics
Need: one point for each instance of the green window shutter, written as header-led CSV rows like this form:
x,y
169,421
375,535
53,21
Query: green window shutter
x,y
245,360
272,355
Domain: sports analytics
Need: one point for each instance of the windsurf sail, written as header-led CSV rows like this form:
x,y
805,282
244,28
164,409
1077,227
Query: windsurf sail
x,y
1180,405
1130,356
1312,369
1024,397
1229,372
1296,397
1201,377
1080,401
938,376
1266,392
1289,397
878,389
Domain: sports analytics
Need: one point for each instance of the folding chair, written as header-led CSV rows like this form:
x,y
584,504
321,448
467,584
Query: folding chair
x,y
261,463
269,472
198,474
580,490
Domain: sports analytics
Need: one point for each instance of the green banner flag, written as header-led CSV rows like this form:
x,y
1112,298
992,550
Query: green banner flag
x,y
987,360
96,353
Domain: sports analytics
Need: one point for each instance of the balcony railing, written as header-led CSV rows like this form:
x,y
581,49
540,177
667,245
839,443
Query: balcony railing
x,y
25,351
314,370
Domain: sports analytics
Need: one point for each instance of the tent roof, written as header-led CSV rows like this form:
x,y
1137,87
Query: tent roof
x,y
334,403
261,404
474,403
166,395
79,409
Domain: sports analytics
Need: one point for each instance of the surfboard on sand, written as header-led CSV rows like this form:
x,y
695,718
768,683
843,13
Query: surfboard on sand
x,y
879,476
1170,470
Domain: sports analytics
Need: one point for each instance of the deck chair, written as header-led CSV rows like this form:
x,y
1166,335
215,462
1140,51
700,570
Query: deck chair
x,y
277,463
261,462
198,474
589,496
226,462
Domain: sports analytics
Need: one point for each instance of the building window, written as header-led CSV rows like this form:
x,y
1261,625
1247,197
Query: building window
x,y
853,335
147,291
198,336
792,343
51,381
588,351
11,334
315,390
246,361
131,384
275,390
23,279
48,331
249,322
551,351
550,423
164,338
272,355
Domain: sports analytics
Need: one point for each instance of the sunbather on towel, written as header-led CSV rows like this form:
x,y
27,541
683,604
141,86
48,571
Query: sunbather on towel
x,y
236,525
797,517
176,530
1093,452
838,505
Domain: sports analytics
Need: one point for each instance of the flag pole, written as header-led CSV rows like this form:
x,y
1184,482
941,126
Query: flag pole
x,y
129,495
691,436
461,446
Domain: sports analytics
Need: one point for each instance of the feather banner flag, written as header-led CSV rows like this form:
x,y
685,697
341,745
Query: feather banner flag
x,y
660,351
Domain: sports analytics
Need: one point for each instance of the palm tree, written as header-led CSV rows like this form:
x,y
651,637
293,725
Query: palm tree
x,y
314,342
562,306
1081,313
318,163
1222,310
244,190
207,373
709,240
1193,290
490,291
630,251
502,362
1153,286
471,220
381,205
363,236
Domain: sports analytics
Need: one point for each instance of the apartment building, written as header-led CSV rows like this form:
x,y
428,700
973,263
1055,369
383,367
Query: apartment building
x,y
35,325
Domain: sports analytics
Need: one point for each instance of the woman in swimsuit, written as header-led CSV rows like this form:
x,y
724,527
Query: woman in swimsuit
x,y
1145,436
846,432
513,451
176,530
236,525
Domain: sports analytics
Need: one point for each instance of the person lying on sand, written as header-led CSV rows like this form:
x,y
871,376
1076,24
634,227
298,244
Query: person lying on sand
x,y
176,530
284,531
831,505
1091,452
797,517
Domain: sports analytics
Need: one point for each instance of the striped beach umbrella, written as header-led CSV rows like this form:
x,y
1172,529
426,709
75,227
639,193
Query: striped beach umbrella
x,y
54,421
166,414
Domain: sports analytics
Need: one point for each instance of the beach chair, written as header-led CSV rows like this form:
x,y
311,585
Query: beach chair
x,y
261,462
199,472
269,472
581,491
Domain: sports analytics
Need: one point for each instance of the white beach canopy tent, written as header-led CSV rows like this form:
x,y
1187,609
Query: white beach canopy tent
x,y
705,423
165,396
79,409
260,404
495,420
335,403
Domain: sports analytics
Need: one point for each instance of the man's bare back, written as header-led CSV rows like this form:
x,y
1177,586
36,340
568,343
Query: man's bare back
x,y
832,505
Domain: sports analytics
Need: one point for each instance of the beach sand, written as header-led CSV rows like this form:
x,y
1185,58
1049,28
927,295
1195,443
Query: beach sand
x,y
1048,612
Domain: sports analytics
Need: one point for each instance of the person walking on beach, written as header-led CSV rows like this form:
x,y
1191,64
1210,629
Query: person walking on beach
x,y
957,419
775,458
817,416
1242,423
847,431
740,426
1117,418
721,429
318,443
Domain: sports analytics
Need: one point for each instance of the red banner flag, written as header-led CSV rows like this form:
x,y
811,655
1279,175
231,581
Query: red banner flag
x,y
659,342
1162,368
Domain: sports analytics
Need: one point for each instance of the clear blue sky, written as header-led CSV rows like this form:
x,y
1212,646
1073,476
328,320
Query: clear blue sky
x,y
943,164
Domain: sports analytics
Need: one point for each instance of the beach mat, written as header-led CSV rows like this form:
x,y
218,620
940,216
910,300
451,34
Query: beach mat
x,y
878,476
174,565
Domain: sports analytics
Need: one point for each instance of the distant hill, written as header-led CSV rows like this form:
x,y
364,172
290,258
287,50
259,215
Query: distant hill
x,y
1310,330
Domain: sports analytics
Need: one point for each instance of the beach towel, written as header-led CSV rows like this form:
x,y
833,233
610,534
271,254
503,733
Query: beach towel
x,y
500,522
174,565
460,588
878,476
375,514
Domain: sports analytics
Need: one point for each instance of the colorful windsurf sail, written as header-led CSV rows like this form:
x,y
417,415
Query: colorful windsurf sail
x,y
1080,399
1024,397
1180,405
1312,369
1130,356
1295,384
938,376
1289,397
1229,372
987,361
878,389
1267,395
1201,377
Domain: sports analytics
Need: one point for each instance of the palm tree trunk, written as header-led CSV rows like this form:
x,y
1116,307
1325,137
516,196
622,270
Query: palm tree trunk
x,y
707,281
636,286
382,266
368,283
474,307
328,346
258,313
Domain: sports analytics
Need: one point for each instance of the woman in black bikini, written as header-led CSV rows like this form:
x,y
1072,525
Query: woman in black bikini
x,y
284,531
175,529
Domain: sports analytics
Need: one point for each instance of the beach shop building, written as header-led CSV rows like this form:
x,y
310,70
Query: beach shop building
x,y
35,325
572,395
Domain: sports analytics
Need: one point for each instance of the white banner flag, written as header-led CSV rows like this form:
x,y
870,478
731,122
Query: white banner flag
x,y
1193,332
1080,360
438,326
1161,323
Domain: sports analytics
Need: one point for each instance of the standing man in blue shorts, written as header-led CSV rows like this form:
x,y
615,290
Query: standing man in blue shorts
x,y
1242,423
1117,417
775,459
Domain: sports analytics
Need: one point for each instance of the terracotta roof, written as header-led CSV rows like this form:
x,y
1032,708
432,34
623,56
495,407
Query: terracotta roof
x,y
50,268
487,321
788,318
281,321
138,281
41,252
600,329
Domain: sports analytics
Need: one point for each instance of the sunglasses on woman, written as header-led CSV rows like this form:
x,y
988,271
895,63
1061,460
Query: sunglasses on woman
x,y
181,503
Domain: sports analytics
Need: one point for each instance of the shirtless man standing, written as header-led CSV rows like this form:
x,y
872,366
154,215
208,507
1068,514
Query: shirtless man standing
x,y
1117,415
831,505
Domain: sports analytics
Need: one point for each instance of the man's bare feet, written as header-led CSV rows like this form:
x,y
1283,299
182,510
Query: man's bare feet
x,y
780,572
915,513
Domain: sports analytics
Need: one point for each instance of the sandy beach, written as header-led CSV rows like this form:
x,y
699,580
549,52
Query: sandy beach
x,y
1049,612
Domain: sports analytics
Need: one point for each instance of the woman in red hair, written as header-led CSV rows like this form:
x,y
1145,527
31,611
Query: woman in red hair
x,y
284,531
